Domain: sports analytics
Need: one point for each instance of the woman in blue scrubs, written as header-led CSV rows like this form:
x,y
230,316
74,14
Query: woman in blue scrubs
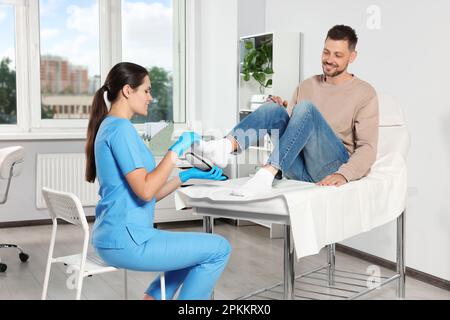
x,y
131,184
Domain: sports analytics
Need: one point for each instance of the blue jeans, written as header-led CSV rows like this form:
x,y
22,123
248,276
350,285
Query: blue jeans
x,y
307,148
191,260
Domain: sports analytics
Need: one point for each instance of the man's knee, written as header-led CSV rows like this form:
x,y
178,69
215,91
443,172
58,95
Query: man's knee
x,y
273,108
304,107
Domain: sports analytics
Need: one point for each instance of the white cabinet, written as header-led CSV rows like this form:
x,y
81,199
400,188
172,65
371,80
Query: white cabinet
x,y
286,65
165,209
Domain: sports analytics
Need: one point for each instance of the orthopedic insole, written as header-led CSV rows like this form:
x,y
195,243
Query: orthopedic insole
x,y
200,162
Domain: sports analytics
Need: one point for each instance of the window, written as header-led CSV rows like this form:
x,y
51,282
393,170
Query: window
x,y
152,34
8,92
48,78
70,56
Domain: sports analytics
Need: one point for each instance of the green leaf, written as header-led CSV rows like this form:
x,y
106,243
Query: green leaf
x,y
249,59
260,77
257,62
269,83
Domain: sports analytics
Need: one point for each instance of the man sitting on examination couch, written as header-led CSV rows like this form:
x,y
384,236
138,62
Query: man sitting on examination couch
x,y
328,133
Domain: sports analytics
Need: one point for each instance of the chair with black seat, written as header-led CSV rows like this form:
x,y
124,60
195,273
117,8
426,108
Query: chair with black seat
x,y
11,159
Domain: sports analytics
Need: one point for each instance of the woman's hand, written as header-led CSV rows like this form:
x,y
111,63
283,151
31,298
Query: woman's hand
x,y
194,173
184,142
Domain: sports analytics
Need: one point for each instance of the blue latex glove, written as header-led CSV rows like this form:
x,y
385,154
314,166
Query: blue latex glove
x,y
184,142
194,173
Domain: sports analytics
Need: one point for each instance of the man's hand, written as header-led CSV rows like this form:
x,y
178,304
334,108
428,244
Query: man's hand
x,y
335,179
278,100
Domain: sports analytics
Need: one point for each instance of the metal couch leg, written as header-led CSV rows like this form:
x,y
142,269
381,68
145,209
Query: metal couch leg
x,y
208,227
401,255
208,224
289,273
331,264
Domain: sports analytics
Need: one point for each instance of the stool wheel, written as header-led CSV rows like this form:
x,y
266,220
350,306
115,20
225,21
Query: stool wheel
x,y
23,257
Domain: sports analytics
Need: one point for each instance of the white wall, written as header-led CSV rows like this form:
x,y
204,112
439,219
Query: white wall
x,y
251,17
216,64
406,57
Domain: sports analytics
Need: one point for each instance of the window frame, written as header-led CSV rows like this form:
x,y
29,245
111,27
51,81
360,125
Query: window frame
x,y
37,123
29,123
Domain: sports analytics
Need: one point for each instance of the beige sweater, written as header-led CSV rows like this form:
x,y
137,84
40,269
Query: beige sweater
x,y
351,110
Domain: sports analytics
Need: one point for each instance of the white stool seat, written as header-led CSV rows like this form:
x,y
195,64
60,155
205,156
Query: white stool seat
x,y
94,264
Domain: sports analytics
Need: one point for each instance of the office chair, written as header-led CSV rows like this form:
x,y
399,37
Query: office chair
x,y
68,207
9,159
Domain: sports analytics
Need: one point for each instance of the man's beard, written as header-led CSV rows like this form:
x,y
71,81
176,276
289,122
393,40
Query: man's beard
x,y
335,73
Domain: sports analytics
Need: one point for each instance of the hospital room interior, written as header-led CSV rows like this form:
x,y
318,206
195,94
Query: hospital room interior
x,y
224,150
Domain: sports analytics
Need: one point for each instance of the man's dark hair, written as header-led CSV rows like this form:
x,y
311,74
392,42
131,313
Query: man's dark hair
x,y
342,32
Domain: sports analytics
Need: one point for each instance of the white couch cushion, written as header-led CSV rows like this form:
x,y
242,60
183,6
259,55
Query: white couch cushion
x,y
390,112
393,135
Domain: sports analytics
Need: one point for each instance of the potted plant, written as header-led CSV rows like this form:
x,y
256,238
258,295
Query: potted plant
x,y
257,63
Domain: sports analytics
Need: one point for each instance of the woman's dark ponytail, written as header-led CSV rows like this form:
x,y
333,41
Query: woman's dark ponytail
x,y
122,74
98,113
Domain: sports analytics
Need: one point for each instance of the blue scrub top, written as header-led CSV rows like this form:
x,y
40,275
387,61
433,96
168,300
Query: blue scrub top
x,y
120,214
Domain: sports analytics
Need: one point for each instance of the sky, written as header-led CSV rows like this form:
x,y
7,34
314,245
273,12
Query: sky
x,y
7,32
70,28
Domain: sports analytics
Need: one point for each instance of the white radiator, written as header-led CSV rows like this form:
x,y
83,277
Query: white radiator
x,y
64,172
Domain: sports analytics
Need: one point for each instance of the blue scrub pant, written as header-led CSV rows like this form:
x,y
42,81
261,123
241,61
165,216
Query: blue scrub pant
x,y
191,260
